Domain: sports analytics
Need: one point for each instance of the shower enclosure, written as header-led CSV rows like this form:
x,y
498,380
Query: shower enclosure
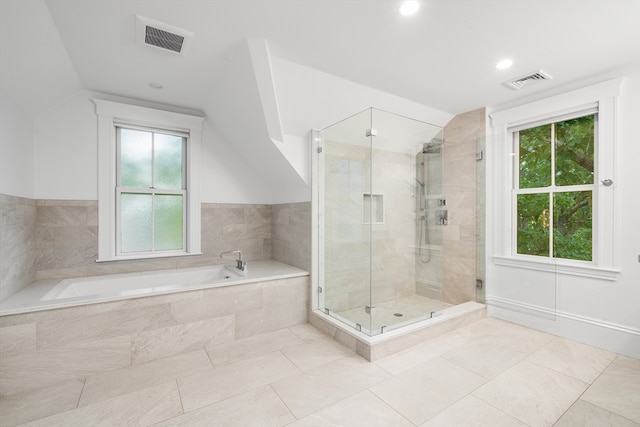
x,y
381,213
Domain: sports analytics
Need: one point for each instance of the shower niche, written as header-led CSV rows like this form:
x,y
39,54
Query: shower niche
x,y
381,213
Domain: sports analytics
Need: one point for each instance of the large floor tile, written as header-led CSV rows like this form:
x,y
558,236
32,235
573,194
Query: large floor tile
x,y
120,381
617,390
407,359
362,409
310,355
43,368
323,386
490,355
472,331
577,360
231,379
531,393
471,411
255,408
248,348
141,408
22,407
422,392
584,414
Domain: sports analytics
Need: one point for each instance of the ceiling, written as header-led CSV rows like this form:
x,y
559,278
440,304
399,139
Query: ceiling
x,y
443,57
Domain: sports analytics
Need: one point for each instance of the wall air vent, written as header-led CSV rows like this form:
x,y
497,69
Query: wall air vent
x,y
162,36
527,79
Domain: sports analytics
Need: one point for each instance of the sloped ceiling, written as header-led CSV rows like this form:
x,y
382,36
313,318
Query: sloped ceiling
x,y
443,57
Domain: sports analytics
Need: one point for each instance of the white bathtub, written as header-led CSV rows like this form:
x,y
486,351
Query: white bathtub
x,y
95,289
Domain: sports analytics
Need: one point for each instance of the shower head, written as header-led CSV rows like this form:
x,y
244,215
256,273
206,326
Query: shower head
x,y
433,146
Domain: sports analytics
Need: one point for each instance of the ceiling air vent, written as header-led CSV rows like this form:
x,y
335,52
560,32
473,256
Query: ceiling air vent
x,y
527,79
162,36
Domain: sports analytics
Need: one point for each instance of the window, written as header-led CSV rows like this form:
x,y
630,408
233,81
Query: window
x,y
148,182
554,186
552,183
151,191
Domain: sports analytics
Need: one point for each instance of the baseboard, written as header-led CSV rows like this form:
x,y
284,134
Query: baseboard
x,y
599,333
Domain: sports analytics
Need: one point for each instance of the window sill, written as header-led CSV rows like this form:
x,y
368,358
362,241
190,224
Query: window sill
x,y
560,267
148,256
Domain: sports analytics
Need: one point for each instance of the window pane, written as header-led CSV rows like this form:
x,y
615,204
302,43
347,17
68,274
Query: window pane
x,y
535,157
533,224
572,225
168,161
135,158
168,222
135,222
574,151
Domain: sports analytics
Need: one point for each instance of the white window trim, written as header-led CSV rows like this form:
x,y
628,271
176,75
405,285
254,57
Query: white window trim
x,y
109,113
604,95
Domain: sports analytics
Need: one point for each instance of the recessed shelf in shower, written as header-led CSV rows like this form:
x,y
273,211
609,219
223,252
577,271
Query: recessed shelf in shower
x,y
373,208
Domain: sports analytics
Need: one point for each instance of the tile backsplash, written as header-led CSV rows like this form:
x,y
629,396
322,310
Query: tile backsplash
x,y
17,243
55,239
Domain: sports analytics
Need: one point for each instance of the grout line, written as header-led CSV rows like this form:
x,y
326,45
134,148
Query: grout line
x,y
84,382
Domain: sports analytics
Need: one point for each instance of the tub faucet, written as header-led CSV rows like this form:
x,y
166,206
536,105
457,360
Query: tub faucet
x,y
240,264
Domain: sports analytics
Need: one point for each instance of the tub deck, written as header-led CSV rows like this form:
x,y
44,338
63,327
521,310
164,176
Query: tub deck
x,y
53,294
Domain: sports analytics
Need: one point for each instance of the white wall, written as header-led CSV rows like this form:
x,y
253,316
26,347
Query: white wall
x,y
66,138
67,166
16,150
309,98
595,311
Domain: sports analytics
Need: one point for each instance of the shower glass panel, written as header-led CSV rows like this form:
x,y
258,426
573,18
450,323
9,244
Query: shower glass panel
x,y
381,217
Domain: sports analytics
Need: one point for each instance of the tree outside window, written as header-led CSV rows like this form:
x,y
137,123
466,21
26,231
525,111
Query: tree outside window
x,y
554,189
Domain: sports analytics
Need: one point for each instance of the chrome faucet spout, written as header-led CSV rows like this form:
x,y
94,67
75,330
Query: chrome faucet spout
x,y
240,264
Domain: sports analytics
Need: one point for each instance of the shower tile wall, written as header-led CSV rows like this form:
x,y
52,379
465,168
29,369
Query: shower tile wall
x,y
347,247
17,243
461,136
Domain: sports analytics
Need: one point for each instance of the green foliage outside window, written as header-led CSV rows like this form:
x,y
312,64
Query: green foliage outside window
x,y
548,207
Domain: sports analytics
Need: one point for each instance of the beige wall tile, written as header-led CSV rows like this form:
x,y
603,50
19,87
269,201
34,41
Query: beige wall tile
x,y
60,332
158,343
17,339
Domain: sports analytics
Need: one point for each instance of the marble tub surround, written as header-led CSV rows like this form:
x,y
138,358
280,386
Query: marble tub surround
x,y
67,239
266,379
291,234
47,348
56,239
18,217
49,294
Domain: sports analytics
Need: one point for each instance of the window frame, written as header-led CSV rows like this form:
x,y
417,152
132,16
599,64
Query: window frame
x,y
112,114
500,193
151,190
553,188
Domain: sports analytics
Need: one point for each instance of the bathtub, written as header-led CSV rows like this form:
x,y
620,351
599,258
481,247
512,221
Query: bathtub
x,y
96,289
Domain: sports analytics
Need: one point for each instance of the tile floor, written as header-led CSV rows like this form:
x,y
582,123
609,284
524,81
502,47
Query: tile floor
x,y
489,373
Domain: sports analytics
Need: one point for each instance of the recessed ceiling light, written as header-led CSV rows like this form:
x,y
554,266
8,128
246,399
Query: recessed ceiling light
x,y
156,85
504,64
409,8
